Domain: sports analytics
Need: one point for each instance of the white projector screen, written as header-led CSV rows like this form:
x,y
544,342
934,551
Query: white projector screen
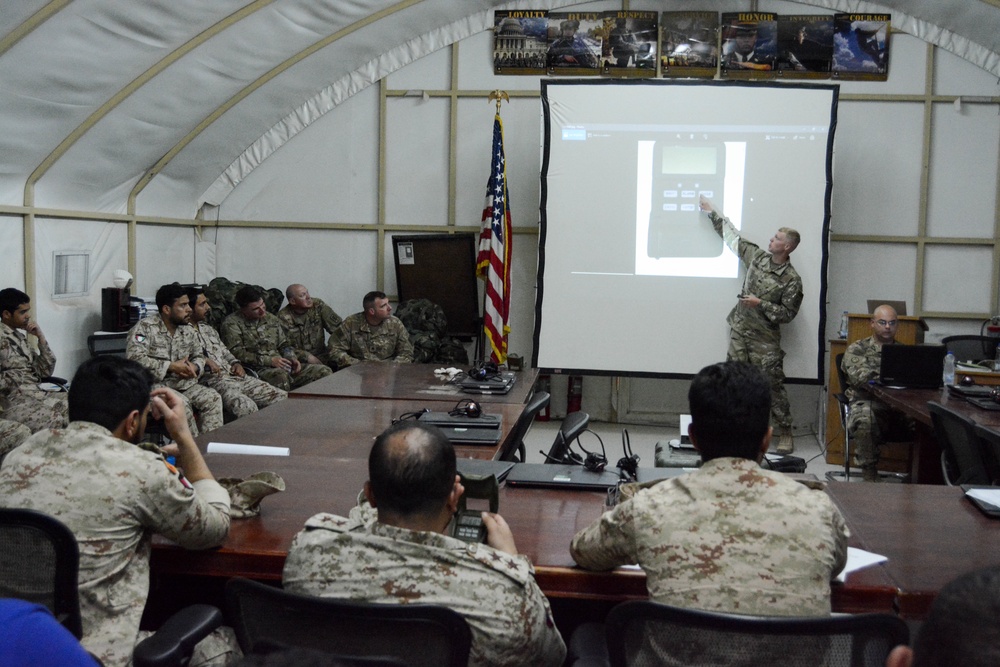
x,y
632,279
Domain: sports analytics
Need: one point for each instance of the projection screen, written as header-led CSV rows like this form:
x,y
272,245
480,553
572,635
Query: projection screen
x,y
632,279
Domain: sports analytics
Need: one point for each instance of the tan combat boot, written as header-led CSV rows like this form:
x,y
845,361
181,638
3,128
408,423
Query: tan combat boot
x,y
870,474
786,445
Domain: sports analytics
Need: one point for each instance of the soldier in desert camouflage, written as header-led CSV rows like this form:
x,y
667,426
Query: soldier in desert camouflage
x,y
871,421
307,322
731,536
12,434
771,296
399,552
23,365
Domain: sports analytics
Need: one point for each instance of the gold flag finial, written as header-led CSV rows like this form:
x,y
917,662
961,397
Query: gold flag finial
x,y
498,96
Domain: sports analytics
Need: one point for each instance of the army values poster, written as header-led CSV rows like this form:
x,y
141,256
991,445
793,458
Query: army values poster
x,y
805,46
520,42
689,44
575,43
629,43
861,46
749,45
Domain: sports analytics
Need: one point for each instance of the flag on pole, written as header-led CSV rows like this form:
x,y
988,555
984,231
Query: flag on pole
x,y
493,260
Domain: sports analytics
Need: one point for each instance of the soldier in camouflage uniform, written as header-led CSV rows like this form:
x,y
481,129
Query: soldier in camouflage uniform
x,y
167,346
12,434
258,339
114,494
870,421
307,321
731,536
22,367
406,555
241,394
772,294
371,335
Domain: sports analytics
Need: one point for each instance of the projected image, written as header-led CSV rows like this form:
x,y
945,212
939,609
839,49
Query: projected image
x,y
673,238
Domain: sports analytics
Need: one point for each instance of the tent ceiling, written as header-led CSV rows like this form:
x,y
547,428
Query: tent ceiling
x,y
184,97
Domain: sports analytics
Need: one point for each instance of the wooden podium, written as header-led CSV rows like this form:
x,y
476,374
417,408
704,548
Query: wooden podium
x,y
894,456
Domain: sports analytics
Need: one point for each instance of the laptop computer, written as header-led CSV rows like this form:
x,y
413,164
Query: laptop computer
x,y
561,476
912,366
461,435
482,467
499,384
971,391
445,419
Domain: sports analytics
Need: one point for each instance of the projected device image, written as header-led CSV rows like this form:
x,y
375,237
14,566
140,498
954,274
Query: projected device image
x,y
682,172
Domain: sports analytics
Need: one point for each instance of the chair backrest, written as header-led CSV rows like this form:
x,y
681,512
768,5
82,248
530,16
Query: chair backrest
x,y
971,348
841,373
644,633
39,559
417,634
573,425
515,443
990,441
956,435
100,345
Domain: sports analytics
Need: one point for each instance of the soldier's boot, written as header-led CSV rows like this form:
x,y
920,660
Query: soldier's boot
x,y
786,445
870,474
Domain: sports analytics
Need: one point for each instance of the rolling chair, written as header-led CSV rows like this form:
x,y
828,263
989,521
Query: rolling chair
x,y
642,632
844,406
419,635
989,440
971,348
962,459
515,443
39,562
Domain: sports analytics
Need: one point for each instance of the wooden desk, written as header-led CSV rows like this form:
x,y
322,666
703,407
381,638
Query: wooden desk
x,y
930,534
372,379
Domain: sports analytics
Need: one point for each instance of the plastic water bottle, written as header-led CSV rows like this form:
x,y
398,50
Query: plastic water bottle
x,y
843,325
949,369
996,360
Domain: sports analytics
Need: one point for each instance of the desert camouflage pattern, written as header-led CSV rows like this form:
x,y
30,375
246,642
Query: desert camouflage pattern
x,y
870,422
755,335
729,537
356,340
510,618
113,495
255,343
241,396
12,434
308,331
22,366
152,345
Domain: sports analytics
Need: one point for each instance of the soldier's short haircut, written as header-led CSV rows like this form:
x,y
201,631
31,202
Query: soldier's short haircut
x,y
193,292
730,405
412,481
106,389
11,299
246,295
792,236
369,300
963,627
167,295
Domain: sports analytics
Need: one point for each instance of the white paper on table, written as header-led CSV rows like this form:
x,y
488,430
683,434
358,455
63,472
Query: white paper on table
x,y
857,559
253,450
988,496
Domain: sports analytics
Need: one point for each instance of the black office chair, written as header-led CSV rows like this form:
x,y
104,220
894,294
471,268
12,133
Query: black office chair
x,y
573,425
39,562
961,451
971,348
844,406
642,633
110,343
419,635
989,441
515,443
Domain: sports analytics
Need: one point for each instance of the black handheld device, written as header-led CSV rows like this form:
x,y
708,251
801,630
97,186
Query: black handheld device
x,y
468,523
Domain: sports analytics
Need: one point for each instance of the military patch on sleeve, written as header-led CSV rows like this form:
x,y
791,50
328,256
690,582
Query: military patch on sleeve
x,y
178,473
140,338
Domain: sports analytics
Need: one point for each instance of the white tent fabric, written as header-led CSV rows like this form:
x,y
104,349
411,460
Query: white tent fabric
x,y
186,98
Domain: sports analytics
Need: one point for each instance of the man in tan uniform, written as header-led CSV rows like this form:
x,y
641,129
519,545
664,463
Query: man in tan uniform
x,y
307,322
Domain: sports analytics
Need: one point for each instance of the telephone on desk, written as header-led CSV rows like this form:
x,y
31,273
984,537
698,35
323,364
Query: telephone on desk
x,y
468,523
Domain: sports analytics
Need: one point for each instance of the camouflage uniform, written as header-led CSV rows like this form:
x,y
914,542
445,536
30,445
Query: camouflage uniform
x,y
240,395
151,344
308,330
755,336
12,434
356,340
730,537
21,369
870,421
363,560
255,342
113,495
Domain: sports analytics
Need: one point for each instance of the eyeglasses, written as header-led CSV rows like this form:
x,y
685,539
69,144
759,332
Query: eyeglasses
x,y
883,323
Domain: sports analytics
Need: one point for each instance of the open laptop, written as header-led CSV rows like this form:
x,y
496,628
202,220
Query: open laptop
x,y
912,366
446,419
499,384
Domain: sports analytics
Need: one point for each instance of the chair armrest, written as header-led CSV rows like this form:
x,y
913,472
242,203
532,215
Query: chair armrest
x,y
174,641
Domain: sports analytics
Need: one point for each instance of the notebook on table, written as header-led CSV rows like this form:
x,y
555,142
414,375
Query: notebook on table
x,y
912,366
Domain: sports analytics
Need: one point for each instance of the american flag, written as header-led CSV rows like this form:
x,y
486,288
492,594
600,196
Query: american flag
x,y
493,261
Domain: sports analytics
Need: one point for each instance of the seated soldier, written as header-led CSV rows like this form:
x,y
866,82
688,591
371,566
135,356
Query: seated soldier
x,y
241,394
406,555
23,365
307,322
259,341
371,335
